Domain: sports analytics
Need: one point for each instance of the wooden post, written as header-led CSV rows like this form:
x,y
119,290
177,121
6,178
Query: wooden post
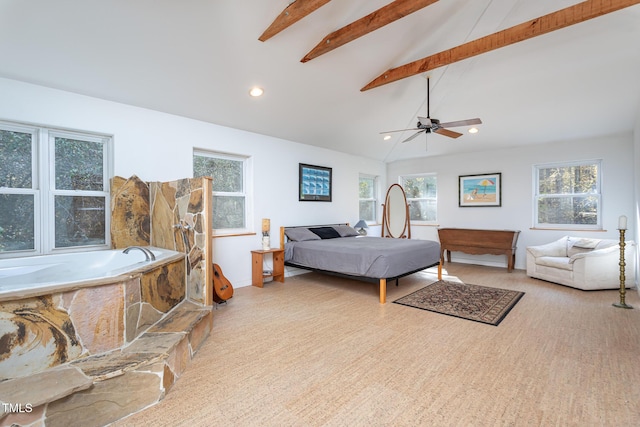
x,y
207,202
383,291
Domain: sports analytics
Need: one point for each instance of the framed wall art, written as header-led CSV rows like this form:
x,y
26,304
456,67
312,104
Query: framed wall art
x,y
315,183
480,190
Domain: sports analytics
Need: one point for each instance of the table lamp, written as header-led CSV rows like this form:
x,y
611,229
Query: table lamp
x,y
361,226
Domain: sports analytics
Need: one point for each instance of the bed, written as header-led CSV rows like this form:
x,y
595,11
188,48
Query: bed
x,y
339,249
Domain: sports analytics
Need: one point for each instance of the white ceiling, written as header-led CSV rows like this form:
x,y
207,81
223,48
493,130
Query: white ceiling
x,y
198,58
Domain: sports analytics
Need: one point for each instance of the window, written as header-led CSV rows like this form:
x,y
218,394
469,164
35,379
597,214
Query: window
x,y
18,189
568,195
422,196
54,191
368,188
230,189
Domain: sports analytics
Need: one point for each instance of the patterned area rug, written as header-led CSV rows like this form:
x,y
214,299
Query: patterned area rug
x,y
472,302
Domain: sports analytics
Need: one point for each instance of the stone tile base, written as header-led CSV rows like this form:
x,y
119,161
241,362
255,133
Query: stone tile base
x,y
104,388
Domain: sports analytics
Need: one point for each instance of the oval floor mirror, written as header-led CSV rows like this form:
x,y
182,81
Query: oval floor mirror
x,y
395,214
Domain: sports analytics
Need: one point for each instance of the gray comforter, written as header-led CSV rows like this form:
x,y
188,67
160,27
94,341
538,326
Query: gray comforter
x,y
373,257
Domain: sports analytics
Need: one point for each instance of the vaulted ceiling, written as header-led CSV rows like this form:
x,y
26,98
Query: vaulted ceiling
x,y
338,73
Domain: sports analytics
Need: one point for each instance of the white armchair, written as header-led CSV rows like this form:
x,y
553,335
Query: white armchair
x,y
585,264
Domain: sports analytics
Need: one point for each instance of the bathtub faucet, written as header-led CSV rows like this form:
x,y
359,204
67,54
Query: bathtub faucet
x,y
147,253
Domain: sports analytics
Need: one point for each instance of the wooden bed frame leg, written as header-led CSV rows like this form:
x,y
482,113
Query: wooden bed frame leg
x,y
440,271
383,291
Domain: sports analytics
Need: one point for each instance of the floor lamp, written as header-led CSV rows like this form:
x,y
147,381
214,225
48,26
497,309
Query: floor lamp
x,y
622,227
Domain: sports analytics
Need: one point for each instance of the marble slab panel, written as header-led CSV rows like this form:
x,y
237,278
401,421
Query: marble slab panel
x,y
200,332
107,401
182,318
179,358
98,316
35,334
35,418
130,212
155,343
148,316
163,216
43,387
115,363
164,287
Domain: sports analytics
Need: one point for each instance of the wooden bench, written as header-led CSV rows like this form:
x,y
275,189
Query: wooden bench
x,y
479,242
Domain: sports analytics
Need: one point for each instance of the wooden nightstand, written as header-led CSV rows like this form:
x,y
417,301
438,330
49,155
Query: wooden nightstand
x,y
257,269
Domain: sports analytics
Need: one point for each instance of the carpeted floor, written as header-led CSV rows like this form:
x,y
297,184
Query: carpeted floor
x,y
473,302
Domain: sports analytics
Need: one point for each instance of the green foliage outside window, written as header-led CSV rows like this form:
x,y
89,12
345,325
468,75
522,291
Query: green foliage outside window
x,y
568,194
15,152
421,192
227,174
79,165
367,203
228,189
17,226
17,230
79,220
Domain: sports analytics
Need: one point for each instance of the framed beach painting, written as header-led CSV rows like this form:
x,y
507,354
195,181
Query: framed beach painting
x,y
480,190
315,183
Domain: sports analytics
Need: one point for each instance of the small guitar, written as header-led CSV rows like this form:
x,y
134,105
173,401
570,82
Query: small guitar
x,y
221,285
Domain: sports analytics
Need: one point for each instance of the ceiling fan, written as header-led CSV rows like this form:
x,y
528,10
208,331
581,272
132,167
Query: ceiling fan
x,y
429,125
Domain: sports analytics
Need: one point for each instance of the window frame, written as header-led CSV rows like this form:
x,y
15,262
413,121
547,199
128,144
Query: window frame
x,y
537,196
401,181
53,191
247,193
34,190
374,199
43,183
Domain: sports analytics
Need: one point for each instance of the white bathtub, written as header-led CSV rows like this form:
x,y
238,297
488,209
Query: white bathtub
x,y
30,276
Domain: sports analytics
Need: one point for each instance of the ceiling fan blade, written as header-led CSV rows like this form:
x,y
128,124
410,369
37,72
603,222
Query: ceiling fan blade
x,y
447,132
399,130
414,135
425,121
461,123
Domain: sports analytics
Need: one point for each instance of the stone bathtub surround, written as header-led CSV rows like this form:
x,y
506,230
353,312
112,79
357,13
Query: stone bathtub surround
x,y
49,330
101,389
97,354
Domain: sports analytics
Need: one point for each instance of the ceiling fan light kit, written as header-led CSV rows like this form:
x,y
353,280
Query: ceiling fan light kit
x,y
256,91
428,125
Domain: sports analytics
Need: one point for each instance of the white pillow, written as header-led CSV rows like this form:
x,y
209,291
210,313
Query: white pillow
x,y
557,248
586,243
580,246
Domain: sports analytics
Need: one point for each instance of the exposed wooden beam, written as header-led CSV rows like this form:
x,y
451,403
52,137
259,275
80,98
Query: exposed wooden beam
x,y
545,24
291,14
377,19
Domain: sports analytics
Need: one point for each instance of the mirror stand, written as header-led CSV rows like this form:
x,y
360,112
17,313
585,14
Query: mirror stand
x,y
395,214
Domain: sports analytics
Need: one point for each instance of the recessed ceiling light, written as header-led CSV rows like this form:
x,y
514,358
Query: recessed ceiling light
x,y
473,130
387,137
256,91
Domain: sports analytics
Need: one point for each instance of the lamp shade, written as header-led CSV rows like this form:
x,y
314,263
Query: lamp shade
x,y
361,224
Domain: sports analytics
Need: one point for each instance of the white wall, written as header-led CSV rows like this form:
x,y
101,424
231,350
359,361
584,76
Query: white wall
x,y
159,147
516,166
636,181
